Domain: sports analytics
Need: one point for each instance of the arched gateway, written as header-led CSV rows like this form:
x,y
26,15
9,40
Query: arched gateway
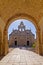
x,y
22,16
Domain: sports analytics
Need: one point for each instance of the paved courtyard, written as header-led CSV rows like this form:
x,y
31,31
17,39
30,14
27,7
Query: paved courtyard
x,y
22,56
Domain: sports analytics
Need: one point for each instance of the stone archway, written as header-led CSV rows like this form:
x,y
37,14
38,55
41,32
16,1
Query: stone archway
x,y
21,16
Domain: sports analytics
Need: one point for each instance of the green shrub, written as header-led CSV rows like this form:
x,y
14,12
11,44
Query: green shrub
x,y
33,46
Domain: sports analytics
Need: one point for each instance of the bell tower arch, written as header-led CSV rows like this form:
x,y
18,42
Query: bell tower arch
x,y
21,27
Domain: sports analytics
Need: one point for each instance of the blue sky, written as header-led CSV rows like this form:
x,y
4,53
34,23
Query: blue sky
x,y
29,25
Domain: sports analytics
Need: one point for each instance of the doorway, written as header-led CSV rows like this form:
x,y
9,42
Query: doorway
x,y
27,43
15,43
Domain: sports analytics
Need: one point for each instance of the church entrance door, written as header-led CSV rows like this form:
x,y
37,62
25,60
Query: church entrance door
x,y
27,43
15,43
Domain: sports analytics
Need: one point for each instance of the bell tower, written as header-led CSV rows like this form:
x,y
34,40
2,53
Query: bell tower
x,y
21,27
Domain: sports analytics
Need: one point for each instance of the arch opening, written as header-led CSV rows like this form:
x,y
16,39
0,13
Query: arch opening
x,y
24,30
21,16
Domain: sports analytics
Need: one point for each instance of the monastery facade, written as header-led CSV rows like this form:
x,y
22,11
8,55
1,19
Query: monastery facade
x,y
21,37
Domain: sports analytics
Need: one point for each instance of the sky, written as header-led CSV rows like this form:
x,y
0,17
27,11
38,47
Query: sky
x,y
29,25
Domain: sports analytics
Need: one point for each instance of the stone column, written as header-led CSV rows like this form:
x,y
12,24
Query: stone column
x,y
40,43
37,43
42,40
41,34
5,41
